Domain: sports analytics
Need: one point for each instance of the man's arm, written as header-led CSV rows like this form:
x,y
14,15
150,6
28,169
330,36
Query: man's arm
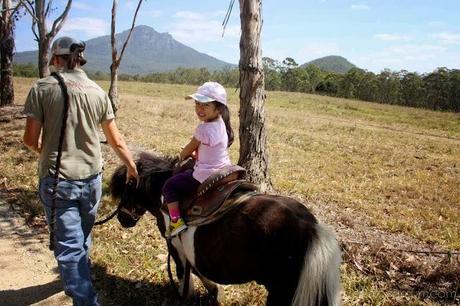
x,y
32,132
116,141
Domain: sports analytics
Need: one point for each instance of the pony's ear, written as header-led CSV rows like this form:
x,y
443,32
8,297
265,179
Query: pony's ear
x,y
117,182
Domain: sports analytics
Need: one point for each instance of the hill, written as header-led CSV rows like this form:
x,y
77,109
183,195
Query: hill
x,y
147,51
332,63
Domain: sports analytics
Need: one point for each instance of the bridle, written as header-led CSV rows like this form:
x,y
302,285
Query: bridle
x,y
132,213
130,184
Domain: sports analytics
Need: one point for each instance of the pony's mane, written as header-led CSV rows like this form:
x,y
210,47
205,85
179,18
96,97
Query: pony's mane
x,y
147,165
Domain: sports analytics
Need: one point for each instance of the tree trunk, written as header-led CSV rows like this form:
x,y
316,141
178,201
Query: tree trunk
x,y
253,137
116,59
113,90
6,55
43,58
39,11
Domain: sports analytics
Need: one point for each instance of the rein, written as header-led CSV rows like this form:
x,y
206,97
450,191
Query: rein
x,y
100,222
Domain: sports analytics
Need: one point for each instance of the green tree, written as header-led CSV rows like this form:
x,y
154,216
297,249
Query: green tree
x,y
454,93
388,87
411,89
348,86
436,86
314,76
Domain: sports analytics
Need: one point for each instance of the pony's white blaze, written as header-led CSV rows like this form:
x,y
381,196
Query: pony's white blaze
x,y
320,275
188,244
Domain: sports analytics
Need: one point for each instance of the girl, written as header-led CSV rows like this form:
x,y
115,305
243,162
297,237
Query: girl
x,y
208,146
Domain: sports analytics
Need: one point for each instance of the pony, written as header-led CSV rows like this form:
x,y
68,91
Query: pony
x,y
271,239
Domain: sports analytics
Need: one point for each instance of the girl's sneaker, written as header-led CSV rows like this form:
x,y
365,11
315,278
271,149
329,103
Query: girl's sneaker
x,y
177,227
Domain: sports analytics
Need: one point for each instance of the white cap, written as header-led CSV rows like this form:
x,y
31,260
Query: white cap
x,y
208,92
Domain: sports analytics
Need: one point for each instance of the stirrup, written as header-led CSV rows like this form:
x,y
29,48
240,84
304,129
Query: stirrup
x,y
175,228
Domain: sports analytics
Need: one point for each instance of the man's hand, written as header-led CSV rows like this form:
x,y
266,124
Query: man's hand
x,y
132,175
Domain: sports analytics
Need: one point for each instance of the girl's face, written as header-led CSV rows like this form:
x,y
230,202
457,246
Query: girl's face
x,y
206,112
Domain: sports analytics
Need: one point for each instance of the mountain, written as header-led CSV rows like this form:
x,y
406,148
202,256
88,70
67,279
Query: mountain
x,y
332,63
147,51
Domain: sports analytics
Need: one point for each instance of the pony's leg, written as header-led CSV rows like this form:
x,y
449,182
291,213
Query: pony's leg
x,y
185,275
184,244
279,295
214,290
178,253
177,261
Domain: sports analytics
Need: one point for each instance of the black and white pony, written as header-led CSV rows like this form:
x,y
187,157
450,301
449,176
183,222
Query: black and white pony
x,y
273,240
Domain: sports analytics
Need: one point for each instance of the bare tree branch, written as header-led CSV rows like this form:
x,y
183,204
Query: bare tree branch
x,y
131,30
48,8
112,33
30,9
59,22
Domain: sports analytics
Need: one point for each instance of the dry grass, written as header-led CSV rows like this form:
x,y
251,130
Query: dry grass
x,y
397,168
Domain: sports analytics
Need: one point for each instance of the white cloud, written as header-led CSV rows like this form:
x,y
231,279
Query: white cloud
x,y
360,7
81,6
406,56
414,51
151,13
391,37
314,50
191,27
447,38
86,27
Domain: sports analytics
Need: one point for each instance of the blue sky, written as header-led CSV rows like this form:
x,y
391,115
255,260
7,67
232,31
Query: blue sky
x,y
416,35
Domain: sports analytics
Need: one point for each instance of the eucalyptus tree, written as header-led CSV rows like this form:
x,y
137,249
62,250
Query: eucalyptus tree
x,y
116,58
253,135
412,90
9,13
40,11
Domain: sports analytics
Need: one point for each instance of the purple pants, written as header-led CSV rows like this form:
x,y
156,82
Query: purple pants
x,y
180,186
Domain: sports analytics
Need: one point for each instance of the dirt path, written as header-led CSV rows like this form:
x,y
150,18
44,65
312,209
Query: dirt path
x,y
29,275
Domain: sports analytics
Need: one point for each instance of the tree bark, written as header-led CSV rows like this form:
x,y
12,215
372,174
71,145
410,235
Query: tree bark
x,y
116,60
253,136
113,90
6,54
40,10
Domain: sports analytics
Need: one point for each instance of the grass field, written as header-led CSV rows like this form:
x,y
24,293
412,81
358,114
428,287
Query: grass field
x,y
396,168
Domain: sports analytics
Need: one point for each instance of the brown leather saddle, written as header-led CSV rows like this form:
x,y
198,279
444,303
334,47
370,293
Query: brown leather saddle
x,y
218,194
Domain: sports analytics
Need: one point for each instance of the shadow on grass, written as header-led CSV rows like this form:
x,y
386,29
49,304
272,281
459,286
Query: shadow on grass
x,y
118,291
30,295
26,203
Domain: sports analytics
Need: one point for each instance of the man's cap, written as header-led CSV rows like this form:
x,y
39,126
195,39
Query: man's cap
x,y
208,92
67,45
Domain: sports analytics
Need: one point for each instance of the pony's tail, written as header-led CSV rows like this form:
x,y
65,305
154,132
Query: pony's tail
x,y
319,282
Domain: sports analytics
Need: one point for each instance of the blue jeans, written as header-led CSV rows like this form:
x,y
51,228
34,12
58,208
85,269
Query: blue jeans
x,y
76,206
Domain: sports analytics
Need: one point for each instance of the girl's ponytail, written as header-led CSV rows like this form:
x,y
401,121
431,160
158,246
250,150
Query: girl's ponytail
x,y
225,113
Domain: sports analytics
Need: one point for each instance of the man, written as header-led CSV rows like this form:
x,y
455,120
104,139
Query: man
x,y
79,186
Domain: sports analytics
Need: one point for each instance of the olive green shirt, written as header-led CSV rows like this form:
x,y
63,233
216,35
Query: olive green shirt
x,y
89,106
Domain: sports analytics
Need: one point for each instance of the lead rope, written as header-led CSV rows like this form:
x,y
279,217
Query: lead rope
x,y
59,156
